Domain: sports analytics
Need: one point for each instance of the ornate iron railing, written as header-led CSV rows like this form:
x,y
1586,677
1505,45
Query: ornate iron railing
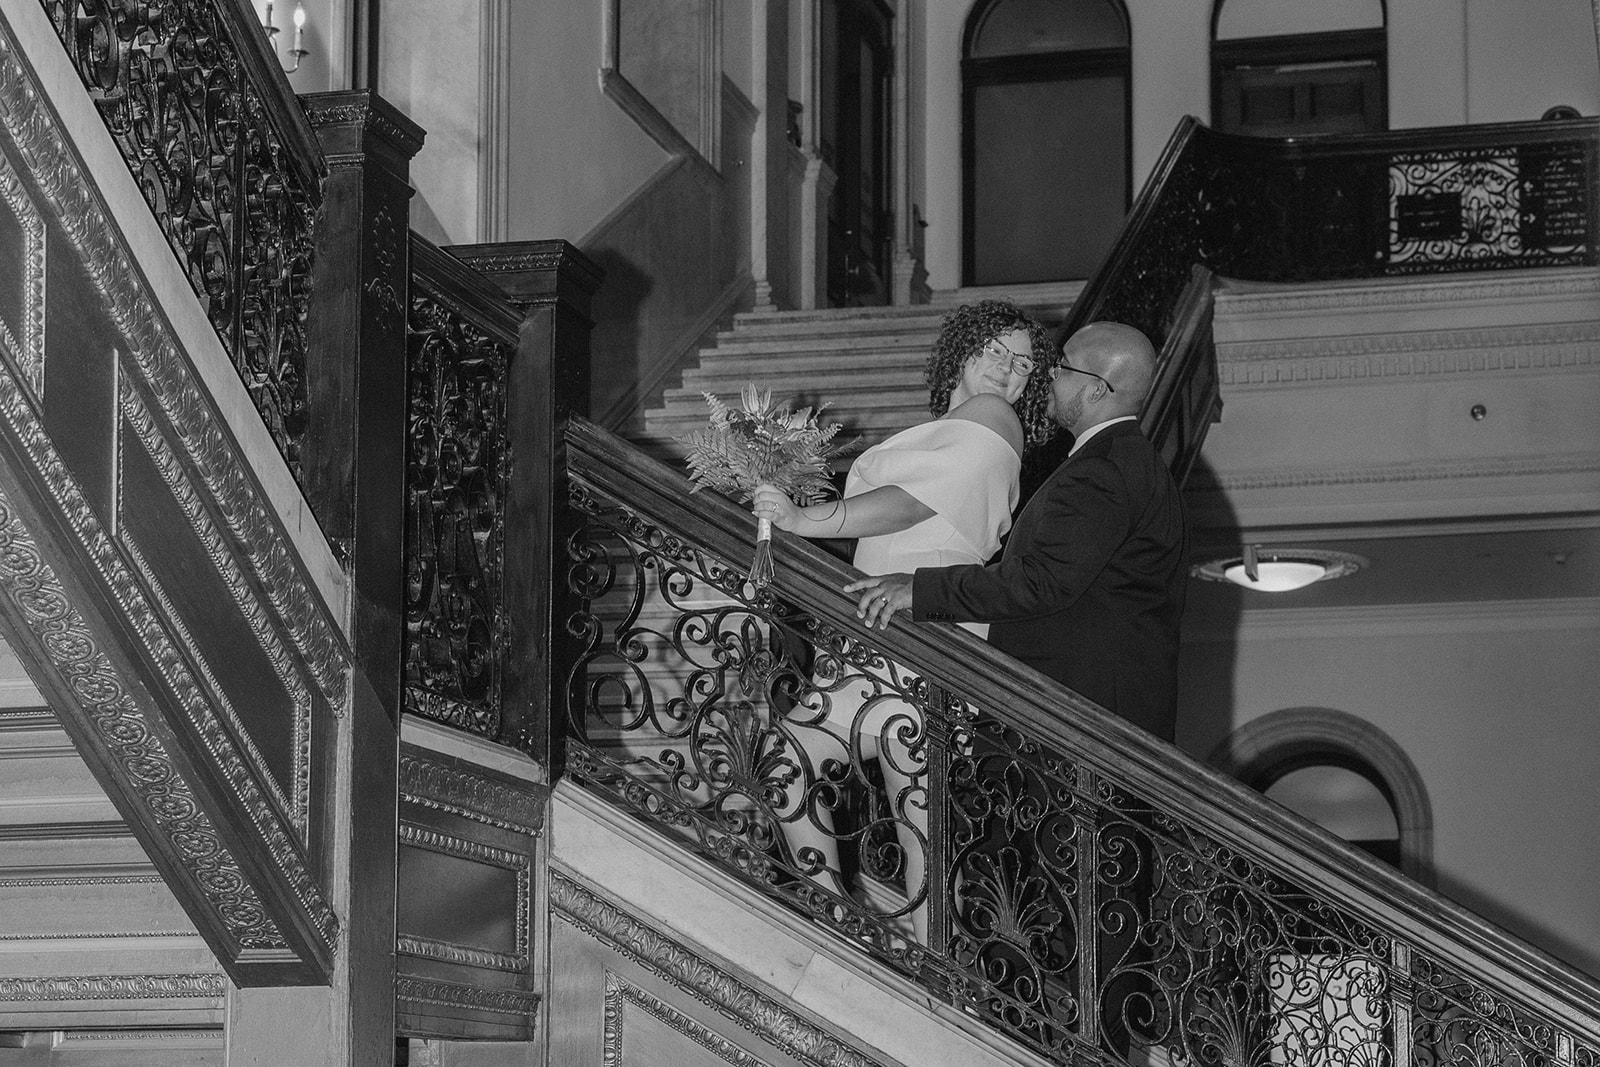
x,y
210,130
461,336
1487,197
1094,892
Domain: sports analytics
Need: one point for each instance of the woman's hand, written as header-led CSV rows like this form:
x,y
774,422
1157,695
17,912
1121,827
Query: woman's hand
x,y
774,505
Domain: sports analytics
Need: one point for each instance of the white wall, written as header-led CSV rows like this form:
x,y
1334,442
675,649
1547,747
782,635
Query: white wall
x,y
1493,703
575,155
1523,58
430,68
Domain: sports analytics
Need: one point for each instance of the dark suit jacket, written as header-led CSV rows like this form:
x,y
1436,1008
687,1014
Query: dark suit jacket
x,y
1090,587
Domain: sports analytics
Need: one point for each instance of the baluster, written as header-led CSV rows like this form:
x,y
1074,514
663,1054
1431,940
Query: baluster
x,y
1088,863
1401,1002
940,733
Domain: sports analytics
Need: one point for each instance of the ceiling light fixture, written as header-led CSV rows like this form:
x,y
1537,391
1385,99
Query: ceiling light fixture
x,y
1278,570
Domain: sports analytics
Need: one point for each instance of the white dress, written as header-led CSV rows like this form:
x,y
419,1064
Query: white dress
x,y
961,470
968,475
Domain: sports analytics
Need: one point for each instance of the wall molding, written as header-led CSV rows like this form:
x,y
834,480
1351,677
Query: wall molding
x,y
115,987
767,1018
1499,616
453,790
619,993
1413,353
1391,473
1239,299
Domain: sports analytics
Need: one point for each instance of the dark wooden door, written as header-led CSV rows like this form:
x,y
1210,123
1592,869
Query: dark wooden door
x,y
857,77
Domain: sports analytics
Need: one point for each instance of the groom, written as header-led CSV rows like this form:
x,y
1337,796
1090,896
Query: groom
x,y
1090,587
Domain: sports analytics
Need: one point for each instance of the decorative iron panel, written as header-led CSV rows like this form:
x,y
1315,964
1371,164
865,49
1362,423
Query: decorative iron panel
x,y
457,464
198,138
1066,906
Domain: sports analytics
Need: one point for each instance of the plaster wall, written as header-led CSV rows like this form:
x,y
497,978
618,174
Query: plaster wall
x,y
1523,59
1495,706
575,155
431,67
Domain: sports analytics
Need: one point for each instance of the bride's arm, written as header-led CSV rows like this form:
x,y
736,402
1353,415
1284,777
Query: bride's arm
x,y
884,510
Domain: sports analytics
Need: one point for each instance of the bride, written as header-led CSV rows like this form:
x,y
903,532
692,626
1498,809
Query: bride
x,y
937,494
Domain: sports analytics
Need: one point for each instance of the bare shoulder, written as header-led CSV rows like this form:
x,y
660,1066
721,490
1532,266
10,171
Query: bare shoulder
x,y
992,411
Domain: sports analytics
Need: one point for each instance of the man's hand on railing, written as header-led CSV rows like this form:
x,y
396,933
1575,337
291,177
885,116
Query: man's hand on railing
x,y
880,597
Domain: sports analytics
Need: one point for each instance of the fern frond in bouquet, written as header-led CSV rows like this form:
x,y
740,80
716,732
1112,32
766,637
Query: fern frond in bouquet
x,y
764,442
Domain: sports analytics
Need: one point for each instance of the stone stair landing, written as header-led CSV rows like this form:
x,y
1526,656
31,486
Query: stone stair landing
x,y
865,364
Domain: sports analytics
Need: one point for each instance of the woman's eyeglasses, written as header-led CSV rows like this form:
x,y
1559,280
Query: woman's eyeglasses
x,y
1056,370
995,352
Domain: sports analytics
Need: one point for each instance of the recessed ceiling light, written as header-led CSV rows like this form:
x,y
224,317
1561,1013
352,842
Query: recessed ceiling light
x,y
1278,570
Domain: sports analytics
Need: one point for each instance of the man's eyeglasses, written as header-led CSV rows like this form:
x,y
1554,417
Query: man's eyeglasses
x,y
996,352
1056,370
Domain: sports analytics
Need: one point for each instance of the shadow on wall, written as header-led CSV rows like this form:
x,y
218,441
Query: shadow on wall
x,y
616,346
1208,656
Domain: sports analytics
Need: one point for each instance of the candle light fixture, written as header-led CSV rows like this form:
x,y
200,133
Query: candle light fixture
x,y
297,51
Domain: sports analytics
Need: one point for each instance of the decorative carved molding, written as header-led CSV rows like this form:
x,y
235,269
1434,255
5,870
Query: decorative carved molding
x,y
387,240
445,788
617,991
1238,299
39,601
1376,474
405,137
297,803
1412,353
768,1019
29,352
114,987
414,990
255,531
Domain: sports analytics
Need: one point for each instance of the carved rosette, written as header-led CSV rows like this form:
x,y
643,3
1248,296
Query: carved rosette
x,y
196,136
455,518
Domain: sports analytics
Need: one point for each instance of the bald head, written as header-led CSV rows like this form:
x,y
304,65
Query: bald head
x,y
1122,356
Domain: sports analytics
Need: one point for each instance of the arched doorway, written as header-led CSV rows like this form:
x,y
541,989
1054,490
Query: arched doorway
x,y
1341,772
1288,68
1046,175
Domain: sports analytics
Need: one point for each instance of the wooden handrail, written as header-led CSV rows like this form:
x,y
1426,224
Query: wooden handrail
x,y
1042,710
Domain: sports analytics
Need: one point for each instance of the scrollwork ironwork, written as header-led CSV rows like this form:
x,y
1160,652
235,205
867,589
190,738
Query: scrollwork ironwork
x,y
1078,915
455,518
199,141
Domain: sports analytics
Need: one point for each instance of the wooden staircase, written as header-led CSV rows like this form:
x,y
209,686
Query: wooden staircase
x,y
865,363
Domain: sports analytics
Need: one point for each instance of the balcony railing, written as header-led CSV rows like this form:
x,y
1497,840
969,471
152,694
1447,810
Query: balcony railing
x,y
1094,892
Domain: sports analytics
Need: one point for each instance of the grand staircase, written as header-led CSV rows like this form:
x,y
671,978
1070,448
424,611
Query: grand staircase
x,y
866,364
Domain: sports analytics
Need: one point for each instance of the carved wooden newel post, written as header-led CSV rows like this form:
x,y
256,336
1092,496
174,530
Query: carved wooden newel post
x,y
354,476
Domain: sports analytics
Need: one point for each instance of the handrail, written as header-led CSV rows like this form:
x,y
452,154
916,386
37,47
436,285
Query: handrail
x,y
1452,975
210,130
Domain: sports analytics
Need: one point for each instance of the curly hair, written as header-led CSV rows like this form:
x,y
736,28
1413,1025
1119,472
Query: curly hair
x,y
964,332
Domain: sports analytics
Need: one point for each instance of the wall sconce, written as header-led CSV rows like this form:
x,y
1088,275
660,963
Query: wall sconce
x,y
298,52
1278,570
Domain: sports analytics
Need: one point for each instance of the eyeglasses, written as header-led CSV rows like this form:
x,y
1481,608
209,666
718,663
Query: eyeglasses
x,y
1056,370
996,352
